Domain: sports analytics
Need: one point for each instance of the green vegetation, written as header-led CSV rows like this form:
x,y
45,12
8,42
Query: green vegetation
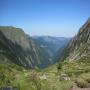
x,y
78,72
56,77
25,79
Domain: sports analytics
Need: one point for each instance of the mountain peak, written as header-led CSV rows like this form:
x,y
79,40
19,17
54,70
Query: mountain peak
x,y
85,25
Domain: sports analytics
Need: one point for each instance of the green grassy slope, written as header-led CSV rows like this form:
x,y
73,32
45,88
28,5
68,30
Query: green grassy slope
x,y
51,78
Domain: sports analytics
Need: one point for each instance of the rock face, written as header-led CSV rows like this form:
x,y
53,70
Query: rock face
x,y
17,47
79,47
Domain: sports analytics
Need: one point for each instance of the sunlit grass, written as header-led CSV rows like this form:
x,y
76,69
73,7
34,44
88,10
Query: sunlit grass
x,y
15,76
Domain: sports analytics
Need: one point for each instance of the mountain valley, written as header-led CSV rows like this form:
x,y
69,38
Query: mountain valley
x,y
28,62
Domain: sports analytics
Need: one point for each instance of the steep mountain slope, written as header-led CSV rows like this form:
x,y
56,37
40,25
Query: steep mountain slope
x,y
17,47
79,47
51,45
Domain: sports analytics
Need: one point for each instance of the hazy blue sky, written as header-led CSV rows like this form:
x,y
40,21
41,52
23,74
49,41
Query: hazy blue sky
x,y
45,17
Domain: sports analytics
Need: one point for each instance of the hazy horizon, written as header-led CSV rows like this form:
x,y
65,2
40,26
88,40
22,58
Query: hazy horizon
x,y
59,18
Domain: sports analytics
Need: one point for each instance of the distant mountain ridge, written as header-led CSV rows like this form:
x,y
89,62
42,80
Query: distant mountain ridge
x,y
51,45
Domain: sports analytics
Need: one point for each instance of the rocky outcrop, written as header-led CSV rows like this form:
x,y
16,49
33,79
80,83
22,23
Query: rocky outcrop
x,y
79,47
